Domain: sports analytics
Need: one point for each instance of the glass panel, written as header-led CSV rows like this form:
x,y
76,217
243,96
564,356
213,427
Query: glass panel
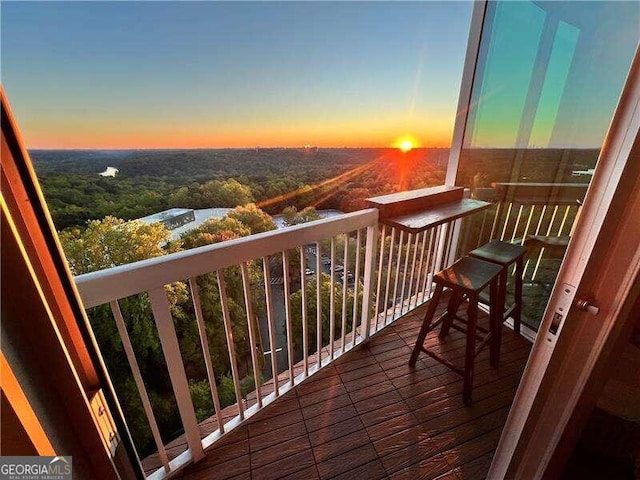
x,y
547,81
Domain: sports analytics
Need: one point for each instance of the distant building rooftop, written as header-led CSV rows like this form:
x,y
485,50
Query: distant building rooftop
x,y
182,220
200,216
165,215
109,172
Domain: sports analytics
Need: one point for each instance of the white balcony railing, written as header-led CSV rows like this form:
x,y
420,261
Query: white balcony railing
x,y
394,270
524,211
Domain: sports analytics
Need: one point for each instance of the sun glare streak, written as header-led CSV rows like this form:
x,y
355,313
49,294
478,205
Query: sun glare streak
x,y
338,180
335,183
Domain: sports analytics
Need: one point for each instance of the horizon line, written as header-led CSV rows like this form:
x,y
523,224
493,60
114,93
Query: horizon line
x,y
311,147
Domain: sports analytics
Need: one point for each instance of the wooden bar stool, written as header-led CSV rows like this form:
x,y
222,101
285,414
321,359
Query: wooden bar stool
x,y
465,278
506,254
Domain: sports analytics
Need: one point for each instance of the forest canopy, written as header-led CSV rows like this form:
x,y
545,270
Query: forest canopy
x,y
150,181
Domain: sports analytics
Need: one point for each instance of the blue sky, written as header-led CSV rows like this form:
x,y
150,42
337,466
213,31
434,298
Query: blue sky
x,y
183,74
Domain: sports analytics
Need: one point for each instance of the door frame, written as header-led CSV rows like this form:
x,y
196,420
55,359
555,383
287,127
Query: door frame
x,y
602,262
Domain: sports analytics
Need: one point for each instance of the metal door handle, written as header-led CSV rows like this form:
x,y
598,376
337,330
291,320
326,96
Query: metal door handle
x,y
587,305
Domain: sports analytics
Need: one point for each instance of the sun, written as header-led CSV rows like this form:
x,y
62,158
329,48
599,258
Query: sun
x,y
405,143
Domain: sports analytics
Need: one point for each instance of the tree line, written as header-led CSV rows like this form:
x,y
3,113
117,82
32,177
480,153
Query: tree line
x,y
152,181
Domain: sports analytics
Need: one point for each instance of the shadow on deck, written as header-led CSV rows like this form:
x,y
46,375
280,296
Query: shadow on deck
x,y
369,416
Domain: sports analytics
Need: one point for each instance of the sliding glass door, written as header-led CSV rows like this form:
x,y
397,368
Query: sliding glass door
x,y
546,83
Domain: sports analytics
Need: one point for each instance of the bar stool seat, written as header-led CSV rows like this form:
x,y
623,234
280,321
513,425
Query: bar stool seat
x,y
506,254
465,278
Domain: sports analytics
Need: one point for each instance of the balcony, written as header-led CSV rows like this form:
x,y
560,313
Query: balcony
x,y
344,399
370,416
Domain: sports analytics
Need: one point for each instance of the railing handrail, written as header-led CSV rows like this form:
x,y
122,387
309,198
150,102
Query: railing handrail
x,y
536,193
103,286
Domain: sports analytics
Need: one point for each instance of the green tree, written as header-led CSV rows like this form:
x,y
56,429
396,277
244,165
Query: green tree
x,y
110,242
254,218
212,194
215,231
292,216
325,310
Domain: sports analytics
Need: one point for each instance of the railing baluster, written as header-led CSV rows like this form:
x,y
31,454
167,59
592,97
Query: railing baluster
x,y
204,342
356,278
435,260
524,237
369,267
228,329
449,250
455,227
537,231
526,228
345,262
481,234
175,366
420,265
515,228
318,305
303,309
575,220
379,281
272,329
246,286
413,270
287,313
564,220
506,221
427,266
442,247
137,377
332,297
494,227
553,219
549,228
389,272
404,272
395,284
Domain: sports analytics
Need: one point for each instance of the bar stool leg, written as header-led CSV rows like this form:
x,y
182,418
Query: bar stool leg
x,y
502,290
472,319
426,324
496,316
517,312
452,309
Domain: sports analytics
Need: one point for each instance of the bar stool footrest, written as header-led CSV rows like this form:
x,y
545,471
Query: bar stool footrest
x,y
485,341
465,323
444,361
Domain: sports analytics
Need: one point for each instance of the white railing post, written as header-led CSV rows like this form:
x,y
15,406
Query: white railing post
x,y
369,271
137,378
175,366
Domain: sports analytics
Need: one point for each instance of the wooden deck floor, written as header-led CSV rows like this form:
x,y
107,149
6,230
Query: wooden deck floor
x,y
369,416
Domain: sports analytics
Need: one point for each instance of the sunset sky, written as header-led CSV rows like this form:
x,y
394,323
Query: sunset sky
x,y
163,75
